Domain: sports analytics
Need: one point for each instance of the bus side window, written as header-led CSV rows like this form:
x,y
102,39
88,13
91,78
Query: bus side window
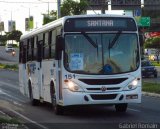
x,y
49,43
29,57
53,42
35,48
41,39
32,48
46,46
20,52
27,49
24,52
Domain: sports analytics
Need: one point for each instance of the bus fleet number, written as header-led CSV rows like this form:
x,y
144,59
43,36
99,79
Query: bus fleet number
x,y
70,76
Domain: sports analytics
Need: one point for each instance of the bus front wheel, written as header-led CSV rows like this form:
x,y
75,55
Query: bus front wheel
x,y
121,107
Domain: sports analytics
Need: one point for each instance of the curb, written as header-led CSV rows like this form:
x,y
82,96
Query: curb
x,y
150,94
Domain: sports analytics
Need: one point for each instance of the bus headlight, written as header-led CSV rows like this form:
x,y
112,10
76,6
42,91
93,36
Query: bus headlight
x,y
73,86
133,85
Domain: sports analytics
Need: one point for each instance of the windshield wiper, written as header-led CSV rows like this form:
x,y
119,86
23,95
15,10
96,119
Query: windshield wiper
x,y
90,40
114,39
94,44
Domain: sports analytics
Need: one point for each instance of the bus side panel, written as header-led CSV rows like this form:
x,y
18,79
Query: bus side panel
x,y
23,80
21,83
33,77
46,74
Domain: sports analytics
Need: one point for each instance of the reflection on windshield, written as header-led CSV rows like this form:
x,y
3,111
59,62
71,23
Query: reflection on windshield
x,y
82,57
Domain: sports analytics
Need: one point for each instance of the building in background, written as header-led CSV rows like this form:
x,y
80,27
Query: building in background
x,y
11,26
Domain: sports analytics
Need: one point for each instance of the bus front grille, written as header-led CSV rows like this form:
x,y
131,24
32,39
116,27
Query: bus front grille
x,y
100,89
103,97
103,81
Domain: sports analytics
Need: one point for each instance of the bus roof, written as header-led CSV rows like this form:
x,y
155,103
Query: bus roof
x,y
61,21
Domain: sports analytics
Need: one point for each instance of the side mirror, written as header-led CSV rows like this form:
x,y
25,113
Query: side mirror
x,y
40,51
59,47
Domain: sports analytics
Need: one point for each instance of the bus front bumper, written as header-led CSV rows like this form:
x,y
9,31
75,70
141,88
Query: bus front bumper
x,y
94,98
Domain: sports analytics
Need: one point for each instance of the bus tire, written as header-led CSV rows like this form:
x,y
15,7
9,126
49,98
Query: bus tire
x,y
155,75
121,107
33,101
57,108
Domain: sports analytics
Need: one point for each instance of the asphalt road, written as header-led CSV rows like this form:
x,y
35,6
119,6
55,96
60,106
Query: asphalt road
x,y
13,102
6,57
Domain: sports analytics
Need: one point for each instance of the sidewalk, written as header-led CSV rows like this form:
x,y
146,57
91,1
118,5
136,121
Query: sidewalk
x,y
150,94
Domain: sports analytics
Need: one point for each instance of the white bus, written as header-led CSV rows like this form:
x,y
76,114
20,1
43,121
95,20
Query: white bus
x,y
82,60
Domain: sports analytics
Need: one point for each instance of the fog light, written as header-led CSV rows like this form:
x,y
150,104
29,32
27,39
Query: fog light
x,y
134,96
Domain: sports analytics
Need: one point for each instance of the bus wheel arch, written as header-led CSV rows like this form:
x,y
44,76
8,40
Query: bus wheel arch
x,y
33,101
57,108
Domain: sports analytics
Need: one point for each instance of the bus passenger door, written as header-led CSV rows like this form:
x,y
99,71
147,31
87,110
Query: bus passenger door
x,y
57,78
58,67
22,71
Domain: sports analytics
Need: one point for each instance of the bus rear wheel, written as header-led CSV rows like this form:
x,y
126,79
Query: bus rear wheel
x,y
57,108
121,107
33,101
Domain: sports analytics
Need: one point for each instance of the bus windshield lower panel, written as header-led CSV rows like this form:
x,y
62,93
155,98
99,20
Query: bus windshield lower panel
x,y
101,53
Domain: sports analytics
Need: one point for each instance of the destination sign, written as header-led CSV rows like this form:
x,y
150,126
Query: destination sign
x,y
94,23
100,24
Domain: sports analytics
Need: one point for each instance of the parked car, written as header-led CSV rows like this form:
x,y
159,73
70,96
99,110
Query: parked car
x,y
148,69
9,48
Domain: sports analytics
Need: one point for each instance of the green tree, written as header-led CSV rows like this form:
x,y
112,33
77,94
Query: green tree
x,y
49,18
152,43
3,39
14,35
70,7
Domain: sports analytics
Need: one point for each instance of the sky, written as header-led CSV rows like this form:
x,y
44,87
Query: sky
x,y
18,10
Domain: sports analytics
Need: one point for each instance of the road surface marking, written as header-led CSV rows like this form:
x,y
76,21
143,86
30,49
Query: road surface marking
x,y
135,110
1,92
15,98
16,103
29,120
9,85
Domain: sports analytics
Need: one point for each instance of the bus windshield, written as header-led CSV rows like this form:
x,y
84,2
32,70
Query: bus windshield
x,y
110,56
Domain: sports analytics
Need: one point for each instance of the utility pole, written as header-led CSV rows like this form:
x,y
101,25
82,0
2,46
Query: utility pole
x,y
11,22
104,3
48,8
58,9
11,25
